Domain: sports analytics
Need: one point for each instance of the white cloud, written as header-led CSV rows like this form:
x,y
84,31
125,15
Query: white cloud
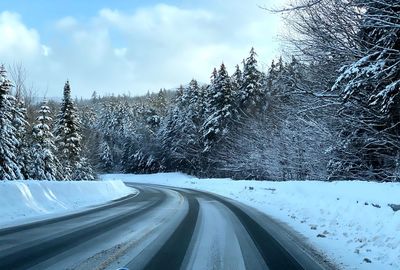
x,y
17,41
67,23
159,21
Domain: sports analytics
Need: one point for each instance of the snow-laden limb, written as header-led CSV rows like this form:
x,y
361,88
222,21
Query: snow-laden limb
x,y
24,201
352,222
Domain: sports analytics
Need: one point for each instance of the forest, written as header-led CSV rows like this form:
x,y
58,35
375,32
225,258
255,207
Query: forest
x,y
327,109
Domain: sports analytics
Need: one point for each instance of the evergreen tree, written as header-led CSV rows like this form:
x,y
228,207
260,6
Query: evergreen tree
x,y
45,165
160,103
67,132
237,79
117,125
195,106
90,136
95,97
220,110
83,170
68,139
9,165
180,133
20,123
105,157
251,93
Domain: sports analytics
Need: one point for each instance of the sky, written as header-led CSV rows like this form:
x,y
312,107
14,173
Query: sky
x,y
131,47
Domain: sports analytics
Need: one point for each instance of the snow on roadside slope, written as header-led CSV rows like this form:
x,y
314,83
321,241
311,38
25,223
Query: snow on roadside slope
x,y
27,200
349,221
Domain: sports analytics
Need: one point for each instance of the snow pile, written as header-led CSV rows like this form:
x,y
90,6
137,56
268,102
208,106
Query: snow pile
x,y
26,200
351,222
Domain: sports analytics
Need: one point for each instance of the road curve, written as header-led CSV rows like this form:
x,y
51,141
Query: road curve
x,y
161,228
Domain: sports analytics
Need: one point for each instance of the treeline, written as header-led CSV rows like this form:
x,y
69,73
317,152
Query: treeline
x,y
44,149
250,125
330,112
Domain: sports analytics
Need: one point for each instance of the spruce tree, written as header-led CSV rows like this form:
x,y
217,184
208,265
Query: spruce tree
x,y
180,135
67,132
195,102
251,93
20,123
9,167
221,109
68,140
83,170
45,165
105,157
237,79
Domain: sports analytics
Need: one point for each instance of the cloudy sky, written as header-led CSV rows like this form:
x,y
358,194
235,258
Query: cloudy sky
x,y
131,47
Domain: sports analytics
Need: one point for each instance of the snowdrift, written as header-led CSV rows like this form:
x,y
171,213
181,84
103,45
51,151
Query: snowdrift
x,y
355,223
28,200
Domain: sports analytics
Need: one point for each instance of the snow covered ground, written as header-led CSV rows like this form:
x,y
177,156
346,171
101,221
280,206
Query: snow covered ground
x,y
350,222
28,200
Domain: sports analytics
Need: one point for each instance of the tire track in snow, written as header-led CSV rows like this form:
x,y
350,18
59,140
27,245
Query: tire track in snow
x,y
215,244
275,256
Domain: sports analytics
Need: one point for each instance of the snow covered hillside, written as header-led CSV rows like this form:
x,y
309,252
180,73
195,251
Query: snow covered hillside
x,y
28,200
351,222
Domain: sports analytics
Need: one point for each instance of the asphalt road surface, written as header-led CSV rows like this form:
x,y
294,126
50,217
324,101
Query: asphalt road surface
x,y
160,228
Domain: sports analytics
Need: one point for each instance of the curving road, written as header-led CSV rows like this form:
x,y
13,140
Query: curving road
x,y
160,228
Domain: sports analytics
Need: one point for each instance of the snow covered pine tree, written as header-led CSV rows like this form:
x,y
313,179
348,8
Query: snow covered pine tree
x,y
9,168
251,93
45,165
68,141
20,123
220,109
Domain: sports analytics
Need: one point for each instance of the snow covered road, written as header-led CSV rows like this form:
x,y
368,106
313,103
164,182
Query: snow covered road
x,y
351,222
160,228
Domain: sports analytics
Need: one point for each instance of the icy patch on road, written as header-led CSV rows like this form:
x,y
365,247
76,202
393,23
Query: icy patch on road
x,y
350,221
27,200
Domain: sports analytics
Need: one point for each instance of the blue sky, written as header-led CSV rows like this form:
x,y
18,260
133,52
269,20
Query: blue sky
x,y
43,13
131,47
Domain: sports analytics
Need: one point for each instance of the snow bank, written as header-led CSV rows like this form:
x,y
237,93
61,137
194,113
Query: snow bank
x,y
350,221
27,200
